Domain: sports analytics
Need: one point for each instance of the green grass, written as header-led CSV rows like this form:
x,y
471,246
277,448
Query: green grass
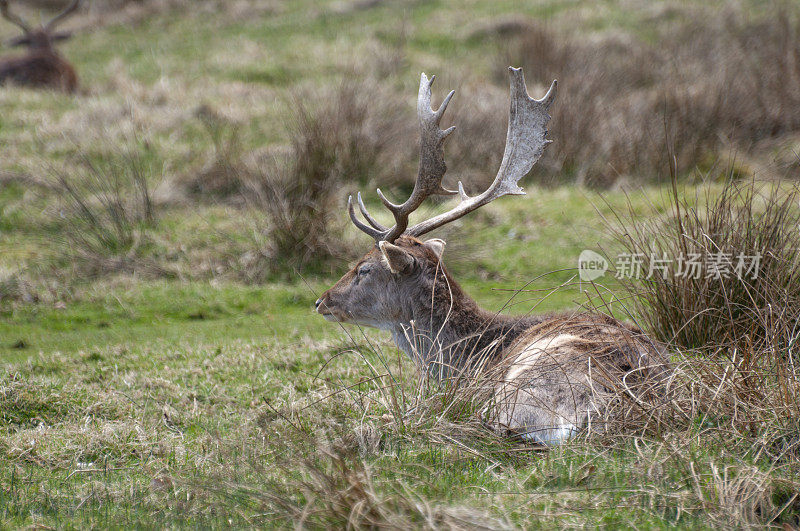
x,y
159,312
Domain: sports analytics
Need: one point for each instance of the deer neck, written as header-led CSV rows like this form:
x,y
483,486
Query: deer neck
x,y
452,333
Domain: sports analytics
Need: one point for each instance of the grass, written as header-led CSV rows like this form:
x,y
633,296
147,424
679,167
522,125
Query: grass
x,y
723,227
194,396
161,402
157,312
95,375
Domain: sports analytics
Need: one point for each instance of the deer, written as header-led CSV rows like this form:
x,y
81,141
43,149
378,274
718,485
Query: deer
x,y
42,66
550,376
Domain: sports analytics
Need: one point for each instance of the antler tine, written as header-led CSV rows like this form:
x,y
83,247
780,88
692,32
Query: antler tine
x,y
367,216
525,143
64,14
14,19
375,233
432,168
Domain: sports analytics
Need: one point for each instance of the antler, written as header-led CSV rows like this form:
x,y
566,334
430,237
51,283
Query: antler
x,y
432,168
525,142
63,15
14,19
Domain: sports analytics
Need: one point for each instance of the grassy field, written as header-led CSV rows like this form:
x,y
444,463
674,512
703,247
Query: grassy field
x,y
185,386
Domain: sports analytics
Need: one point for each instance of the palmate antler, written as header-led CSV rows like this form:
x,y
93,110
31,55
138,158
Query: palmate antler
x,y
525,142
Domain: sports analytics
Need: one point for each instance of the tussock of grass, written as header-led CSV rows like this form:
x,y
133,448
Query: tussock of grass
x,y
15,287
748,306
219,177
29,405
735,383
338,491
107,210
344,141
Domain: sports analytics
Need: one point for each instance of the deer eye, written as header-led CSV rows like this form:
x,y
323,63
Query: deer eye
x,y
363,270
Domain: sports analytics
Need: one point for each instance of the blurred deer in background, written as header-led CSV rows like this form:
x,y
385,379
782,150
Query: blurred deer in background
x,y
549,376
42,66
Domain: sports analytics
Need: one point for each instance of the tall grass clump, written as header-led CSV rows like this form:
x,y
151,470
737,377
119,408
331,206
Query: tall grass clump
x,y
107,208
733,276
704,85
220,177
732,326
345,142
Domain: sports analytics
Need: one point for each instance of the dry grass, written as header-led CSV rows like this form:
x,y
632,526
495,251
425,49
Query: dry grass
x,y
712,406
748,230
14,286
339,491
220,176
345,142
709,84
736,379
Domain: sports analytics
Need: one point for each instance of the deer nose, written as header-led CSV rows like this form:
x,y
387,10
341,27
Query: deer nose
x,y
316,304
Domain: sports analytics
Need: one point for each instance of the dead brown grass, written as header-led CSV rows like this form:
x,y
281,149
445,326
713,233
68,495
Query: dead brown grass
x,y
748,230
707,85
338,490
219,178
736,380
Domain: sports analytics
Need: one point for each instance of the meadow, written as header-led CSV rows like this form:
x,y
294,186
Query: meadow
x,y
165,232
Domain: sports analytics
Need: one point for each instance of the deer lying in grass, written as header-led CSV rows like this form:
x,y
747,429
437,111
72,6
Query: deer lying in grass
x,y
550,376
42,66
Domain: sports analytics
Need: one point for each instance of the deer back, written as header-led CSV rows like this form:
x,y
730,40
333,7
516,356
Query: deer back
x,y
561,374
39,69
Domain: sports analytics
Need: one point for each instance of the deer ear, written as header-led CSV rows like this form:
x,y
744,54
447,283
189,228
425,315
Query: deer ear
x,y
436,245
397,258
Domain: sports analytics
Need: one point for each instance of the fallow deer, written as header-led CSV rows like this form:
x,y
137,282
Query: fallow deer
x,y
551,375
42,66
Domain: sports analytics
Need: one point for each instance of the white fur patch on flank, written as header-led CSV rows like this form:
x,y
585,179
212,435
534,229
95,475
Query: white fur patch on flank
x,y
552,436
533,352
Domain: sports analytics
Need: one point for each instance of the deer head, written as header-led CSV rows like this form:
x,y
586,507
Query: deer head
x,y
379,291
402,276
43,37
